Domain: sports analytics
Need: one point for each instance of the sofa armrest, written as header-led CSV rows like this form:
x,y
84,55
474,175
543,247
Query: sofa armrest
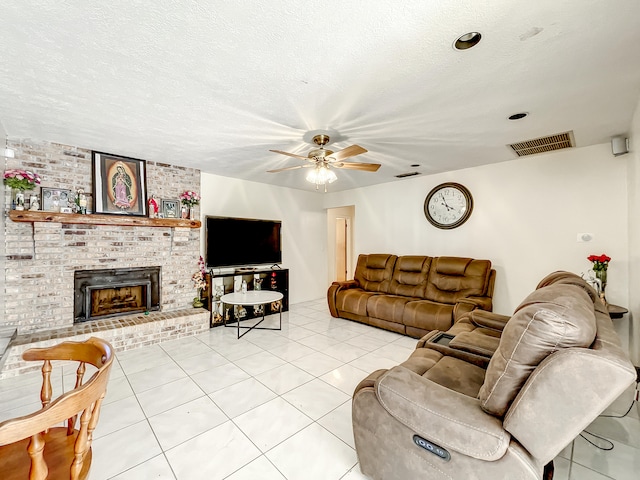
x,y
347,284
468,304
479,342
423,341
450,419
334,288
490,320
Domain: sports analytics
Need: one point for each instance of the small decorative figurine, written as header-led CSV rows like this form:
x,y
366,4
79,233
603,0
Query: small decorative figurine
x,y
80,202
153,207
34,203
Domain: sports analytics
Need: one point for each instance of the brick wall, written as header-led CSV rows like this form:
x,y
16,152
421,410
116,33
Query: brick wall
x,y
40,258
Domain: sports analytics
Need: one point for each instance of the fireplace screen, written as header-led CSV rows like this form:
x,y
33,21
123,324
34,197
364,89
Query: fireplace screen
x,y
124,299
107,293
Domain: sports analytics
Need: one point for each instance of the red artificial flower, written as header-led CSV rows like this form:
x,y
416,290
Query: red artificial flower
x,y
600,262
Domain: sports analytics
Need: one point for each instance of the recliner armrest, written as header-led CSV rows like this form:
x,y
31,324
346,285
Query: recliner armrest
x,y
469,304
334,288
493,321
347,284
450,419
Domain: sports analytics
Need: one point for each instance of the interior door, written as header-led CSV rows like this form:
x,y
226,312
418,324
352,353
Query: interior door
x,y
341,249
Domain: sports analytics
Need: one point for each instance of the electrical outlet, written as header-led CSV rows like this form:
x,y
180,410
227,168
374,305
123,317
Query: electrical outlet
x,y
584,237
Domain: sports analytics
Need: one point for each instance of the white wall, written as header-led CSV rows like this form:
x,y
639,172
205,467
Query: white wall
x,y
633,158
304,226
526,215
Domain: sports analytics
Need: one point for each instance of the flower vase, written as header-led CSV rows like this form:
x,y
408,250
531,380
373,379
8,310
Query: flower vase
x,y
601,275
18,199
191,215
184,213
197,301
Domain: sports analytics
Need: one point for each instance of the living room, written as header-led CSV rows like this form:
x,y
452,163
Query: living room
x,y
526,217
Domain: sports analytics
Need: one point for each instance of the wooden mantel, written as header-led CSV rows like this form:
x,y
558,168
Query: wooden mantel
x,y
97,219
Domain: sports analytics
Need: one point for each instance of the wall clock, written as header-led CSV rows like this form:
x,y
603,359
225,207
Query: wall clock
x,y
448,205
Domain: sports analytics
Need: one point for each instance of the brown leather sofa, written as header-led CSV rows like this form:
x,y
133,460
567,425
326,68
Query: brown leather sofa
x,y
444,414
413,295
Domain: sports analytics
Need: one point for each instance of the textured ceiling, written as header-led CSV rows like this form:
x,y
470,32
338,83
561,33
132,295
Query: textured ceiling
x,y
215,85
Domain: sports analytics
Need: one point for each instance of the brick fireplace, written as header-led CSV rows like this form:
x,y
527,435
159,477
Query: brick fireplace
x,y
41,259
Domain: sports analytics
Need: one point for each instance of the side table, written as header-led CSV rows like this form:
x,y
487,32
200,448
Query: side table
x,y
253,297
616,311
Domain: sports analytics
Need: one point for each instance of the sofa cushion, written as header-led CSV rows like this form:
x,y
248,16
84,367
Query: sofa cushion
x,y
427,315
410,276
374,272
458,375
452,278
353,300
551,318
387,307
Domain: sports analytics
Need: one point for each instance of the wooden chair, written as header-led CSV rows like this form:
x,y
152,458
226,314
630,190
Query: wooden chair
x,y
35,446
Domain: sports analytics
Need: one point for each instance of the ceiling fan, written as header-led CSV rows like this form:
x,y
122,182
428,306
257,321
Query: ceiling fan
x,y
323,160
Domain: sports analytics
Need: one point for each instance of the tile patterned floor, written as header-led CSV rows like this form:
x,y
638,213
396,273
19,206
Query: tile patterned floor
x,y
214,407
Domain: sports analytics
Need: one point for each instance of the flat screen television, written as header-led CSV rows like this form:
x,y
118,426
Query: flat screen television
x,y
241,242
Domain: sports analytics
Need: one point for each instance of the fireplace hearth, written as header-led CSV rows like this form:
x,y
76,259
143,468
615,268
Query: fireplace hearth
x,y
108,293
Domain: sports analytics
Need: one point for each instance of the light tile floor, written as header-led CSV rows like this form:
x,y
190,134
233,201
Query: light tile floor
x,y
272,405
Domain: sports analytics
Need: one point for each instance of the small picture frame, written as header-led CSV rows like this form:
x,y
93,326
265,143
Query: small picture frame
x,y
119,185
170,208
54,199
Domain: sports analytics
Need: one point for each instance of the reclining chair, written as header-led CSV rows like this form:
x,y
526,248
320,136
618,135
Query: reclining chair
x,y
557,365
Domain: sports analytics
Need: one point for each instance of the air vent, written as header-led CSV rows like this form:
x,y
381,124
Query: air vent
x,y
410,174
544,144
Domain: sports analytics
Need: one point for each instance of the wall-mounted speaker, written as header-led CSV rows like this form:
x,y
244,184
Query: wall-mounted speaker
x,y
619,145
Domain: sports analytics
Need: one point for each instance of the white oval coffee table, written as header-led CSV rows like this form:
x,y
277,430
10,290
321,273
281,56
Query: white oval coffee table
x,y
253,297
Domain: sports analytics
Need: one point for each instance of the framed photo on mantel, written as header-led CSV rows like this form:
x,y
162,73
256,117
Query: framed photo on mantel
x,y
170,208
119,185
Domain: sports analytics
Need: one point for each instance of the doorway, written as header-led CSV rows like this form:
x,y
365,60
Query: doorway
x,y
340,243
342,232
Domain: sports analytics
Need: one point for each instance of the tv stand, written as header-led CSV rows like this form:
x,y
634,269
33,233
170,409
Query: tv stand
x,y
257,279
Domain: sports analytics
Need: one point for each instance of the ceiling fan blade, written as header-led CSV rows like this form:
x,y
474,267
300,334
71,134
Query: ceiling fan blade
x,y
368,167
288,168
285,169
289,154
345,153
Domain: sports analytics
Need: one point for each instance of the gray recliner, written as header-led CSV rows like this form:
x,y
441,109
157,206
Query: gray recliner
x,y
557,366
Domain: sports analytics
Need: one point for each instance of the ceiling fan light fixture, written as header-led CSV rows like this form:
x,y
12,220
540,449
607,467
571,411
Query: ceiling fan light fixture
x,y
321,175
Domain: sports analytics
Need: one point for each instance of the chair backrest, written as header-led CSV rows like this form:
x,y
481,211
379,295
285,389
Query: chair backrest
x,y
83,403
453,278
410,276
559,364
374,271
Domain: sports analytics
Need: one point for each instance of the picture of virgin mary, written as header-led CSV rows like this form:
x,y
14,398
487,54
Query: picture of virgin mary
x,y
122,188
119,185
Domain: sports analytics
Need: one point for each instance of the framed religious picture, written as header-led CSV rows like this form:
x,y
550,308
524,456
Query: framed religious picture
x,y
119,185
171,208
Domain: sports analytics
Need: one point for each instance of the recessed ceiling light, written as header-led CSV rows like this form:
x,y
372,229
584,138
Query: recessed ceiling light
x,y
518,116
467,40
